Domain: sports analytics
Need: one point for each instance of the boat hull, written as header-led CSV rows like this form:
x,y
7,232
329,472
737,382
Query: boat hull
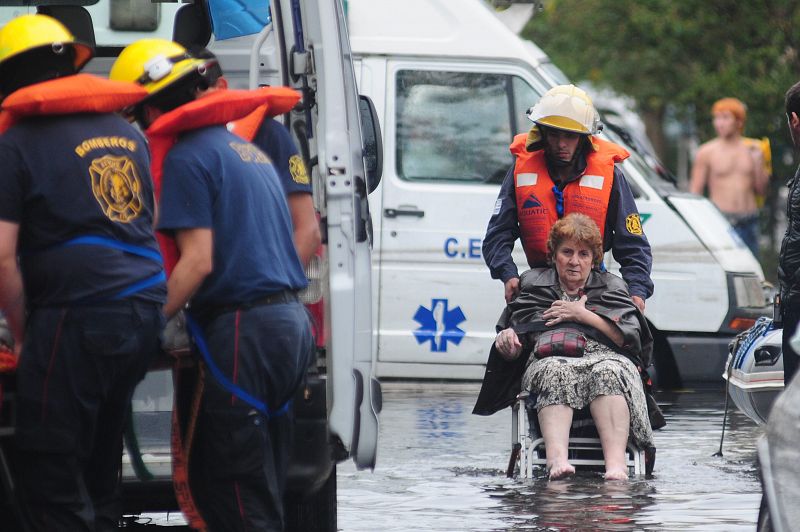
x,y
754,372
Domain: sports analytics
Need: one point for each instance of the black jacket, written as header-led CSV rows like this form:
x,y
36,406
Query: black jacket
x,y
789,259
607,296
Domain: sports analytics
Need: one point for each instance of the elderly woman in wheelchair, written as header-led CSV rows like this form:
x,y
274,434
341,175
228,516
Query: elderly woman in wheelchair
x,y
589,344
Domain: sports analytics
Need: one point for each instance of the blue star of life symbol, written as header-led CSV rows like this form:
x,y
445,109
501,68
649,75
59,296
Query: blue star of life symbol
x,y
439,325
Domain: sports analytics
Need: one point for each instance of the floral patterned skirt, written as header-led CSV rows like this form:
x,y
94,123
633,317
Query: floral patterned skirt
x,y
576,382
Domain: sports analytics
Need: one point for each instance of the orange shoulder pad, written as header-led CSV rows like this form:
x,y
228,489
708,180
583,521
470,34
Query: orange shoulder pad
x,y
518,144
224,106
73,94
247,127
613,151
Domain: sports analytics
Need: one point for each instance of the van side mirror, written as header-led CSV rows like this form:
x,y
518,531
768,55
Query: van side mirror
x,y
192,26
372,142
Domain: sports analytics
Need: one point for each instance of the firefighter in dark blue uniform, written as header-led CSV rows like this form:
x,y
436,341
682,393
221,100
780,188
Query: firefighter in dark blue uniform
x,y
85,302
275,141
565,119
223,203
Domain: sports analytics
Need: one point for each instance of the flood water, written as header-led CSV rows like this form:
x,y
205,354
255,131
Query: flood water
x,y
440,468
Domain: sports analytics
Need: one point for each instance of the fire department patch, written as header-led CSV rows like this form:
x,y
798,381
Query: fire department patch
x,y
297,169
117,187
249,153
634,224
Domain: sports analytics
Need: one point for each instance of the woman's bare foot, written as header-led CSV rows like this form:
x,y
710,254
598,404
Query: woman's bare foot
x,y
616,474
560,469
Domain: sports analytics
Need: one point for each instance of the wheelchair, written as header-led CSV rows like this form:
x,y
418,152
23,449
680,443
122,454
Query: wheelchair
x,y
584,450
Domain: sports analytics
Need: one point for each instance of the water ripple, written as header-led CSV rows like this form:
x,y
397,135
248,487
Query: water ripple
x,y
442,469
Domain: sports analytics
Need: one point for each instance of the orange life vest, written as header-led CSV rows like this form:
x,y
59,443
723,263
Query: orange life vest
x,y
81,93
219,107
537,203
247,127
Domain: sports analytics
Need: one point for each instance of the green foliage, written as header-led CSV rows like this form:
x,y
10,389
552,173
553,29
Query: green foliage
x,y
681,53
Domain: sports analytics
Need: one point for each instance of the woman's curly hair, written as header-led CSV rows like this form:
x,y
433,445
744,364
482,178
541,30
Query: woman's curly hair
x,y
579,228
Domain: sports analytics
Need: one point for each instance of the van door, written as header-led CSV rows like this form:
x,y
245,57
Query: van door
x,y
447,131
370,73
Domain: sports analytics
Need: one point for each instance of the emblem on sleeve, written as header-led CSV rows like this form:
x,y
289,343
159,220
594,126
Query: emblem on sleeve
x,y
297,169
634,224
117,187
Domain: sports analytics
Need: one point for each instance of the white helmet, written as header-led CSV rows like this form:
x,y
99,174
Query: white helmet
x,y
568,108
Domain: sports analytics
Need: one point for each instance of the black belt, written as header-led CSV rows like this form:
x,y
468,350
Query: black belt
x,y
210,311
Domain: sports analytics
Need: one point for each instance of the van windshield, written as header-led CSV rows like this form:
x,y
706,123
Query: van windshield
x,y
638,161
457,126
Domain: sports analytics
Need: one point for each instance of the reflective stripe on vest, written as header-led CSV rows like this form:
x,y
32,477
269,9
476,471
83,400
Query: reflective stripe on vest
x,y
540,203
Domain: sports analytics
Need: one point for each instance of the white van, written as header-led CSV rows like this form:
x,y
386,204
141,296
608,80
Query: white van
x,y
451,85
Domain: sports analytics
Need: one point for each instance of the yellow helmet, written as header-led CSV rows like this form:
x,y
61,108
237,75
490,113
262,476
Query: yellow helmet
x,y
568,108
155,64
32,32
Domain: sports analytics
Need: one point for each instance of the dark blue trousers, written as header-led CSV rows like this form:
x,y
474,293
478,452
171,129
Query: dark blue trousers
x,y
77,372
240,456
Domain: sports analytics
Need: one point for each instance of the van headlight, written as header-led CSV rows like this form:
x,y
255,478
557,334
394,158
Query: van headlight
x,y
748,291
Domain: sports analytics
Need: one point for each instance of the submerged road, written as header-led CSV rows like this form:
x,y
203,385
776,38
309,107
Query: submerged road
x,y
442,469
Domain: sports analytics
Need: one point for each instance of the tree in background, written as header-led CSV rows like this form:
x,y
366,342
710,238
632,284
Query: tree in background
x,y
679,56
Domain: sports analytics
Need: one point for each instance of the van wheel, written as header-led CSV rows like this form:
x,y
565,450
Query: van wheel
x,y
667,376
313,512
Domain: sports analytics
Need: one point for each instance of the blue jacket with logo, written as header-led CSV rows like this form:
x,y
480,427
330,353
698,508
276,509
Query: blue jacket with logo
x,y
66,177
214,179
630,250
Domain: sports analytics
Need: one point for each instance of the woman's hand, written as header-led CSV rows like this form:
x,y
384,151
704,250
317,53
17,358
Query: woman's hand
x,y
561,311
511,289
507,342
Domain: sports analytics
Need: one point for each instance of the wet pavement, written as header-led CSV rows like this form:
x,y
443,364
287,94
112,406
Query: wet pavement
x,y
440,468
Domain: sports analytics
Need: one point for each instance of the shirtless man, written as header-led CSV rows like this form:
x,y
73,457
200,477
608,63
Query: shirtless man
x,y
733,171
